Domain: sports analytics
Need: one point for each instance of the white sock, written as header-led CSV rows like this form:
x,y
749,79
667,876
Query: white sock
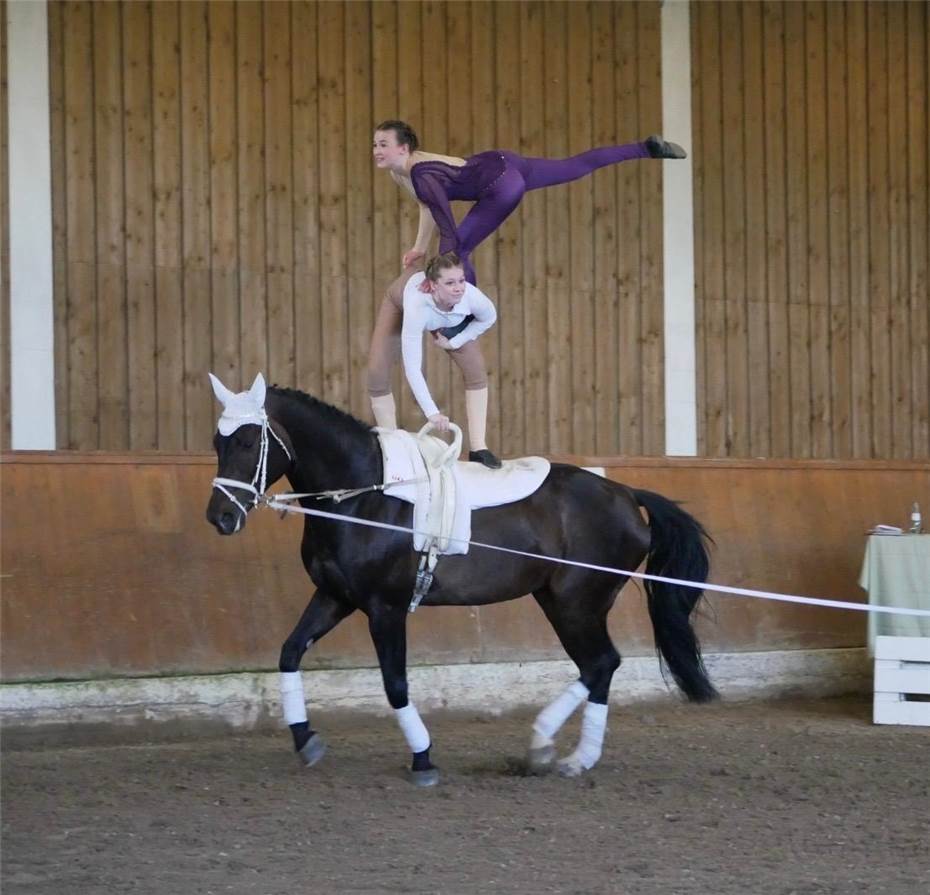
x,y
476,412
292,698
384,410
550,720
593,727
413,728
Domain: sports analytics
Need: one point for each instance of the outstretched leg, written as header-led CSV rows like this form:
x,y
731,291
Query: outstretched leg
x,y
388,628
578,613
322,614
543,172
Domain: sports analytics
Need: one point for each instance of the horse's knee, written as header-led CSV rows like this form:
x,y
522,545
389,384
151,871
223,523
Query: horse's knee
x,y
396,691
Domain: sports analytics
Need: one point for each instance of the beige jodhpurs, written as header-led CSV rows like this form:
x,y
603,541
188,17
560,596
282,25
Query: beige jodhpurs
x,y
385,345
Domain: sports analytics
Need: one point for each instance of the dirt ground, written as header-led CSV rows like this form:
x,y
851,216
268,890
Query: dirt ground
x,y
778,797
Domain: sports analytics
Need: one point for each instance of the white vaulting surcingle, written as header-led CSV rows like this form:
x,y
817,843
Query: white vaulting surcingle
x,y
242,409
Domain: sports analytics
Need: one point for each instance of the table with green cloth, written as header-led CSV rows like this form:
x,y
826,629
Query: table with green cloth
x,y
896,572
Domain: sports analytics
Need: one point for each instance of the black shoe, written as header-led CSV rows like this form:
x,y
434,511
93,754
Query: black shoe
x,y
659,148
485,457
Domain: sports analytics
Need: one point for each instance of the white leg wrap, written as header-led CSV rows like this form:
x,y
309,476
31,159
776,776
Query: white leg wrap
x,y
413,728
550,720
292,698
593,727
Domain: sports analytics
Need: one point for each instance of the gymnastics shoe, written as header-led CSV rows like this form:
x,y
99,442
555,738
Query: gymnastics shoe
x,y
485,457
659,148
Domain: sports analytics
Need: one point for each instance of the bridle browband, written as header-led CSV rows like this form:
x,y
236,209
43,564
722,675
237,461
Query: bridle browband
x,y
259,480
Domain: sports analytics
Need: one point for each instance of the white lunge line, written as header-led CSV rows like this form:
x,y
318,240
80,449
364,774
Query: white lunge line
x,y
275,503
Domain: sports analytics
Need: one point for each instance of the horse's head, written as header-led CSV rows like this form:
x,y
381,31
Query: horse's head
x,y
252,452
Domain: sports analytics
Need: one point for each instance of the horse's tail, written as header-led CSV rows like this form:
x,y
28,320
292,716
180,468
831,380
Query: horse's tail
x,y
678,550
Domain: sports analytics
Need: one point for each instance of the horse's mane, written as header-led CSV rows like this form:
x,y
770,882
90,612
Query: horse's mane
x,y
332,414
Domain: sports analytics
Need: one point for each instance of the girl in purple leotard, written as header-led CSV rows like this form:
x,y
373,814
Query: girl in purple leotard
x,y
495,181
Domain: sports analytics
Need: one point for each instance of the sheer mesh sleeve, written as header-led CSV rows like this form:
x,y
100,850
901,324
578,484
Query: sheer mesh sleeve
x,y
428,180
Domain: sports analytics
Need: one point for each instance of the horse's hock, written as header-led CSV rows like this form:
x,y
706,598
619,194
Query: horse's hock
x,y
152,616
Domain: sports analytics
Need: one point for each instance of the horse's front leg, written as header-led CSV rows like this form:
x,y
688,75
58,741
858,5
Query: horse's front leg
x,y
388,627
322,614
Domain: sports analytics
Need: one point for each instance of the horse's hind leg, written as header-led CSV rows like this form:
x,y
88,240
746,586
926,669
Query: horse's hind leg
x,y
322,614
580,621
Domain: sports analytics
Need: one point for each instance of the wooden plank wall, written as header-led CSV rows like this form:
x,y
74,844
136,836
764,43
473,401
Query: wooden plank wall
x,y
216,208
811,206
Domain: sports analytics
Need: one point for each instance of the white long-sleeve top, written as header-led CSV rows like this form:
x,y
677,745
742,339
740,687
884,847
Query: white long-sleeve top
x,y
421,314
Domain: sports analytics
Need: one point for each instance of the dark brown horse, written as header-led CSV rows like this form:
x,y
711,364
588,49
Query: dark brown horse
x,y
574,515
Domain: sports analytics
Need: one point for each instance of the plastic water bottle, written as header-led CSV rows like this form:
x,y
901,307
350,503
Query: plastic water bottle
x,y
916,527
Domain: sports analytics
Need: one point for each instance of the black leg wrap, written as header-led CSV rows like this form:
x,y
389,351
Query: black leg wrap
x,y
301,732
421,761
423,772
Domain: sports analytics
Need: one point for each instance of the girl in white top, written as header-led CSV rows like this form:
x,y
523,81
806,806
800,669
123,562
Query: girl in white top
x,y
456,313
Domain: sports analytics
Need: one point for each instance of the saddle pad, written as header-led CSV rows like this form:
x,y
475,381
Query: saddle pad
x,y
476,486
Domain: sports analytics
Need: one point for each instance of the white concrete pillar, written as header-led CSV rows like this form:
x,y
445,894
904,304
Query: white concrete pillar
x,y
32,320
678,234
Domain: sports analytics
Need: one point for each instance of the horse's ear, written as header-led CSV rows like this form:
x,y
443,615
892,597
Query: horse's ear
x,y
257,391
223,394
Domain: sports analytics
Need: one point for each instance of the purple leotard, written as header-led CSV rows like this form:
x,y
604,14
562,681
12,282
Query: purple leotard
x,y
496,181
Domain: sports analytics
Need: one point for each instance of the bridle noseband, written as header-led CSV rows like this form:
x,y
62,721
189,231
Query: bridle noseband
x,y
259,480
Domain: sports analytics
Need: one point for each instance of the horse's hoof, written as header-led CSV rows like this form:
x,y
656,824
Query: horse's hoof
x,y
313,750
570,767
429,777
541,760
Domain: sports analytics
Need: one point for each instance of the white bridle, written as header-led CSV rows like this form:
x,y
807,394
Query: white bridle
x,y
260,478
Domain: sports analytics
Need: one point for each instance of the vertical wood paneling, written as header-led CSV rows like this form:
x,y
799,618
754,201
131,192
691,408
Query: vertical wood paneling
x,y
533,231
252,228
166,157
410,108
879,246
736,426
758,385
81,225
358,125
308,297
859,293
559,296
604,357
333,258
918,192
509,258
215,207
224,254
112,347
901,353
630,439
581,272
279,189
652,397
823,201
483,82
776,229
818,236
142,410
838,234
195,227
797,204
